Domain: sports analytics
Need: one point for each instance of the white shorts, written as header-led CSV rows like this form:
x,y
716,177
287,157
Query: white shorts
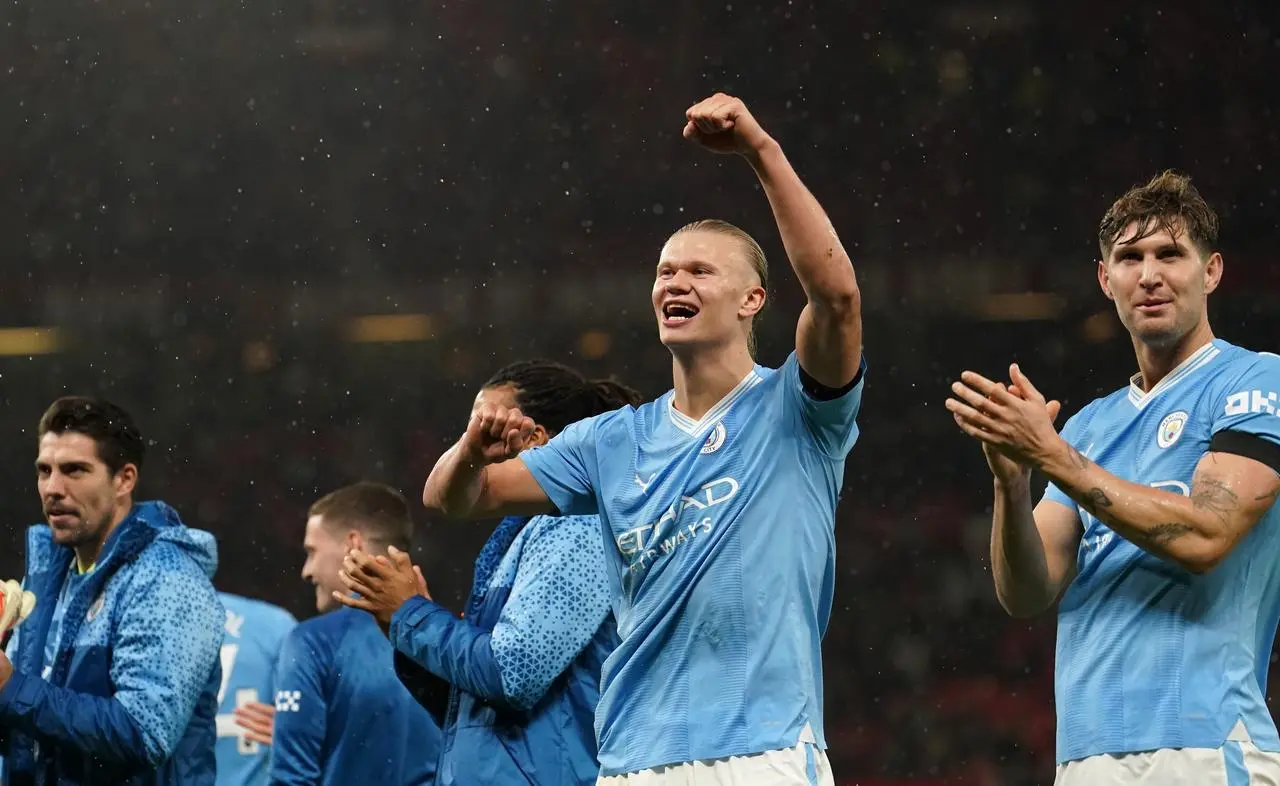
x,y
804,765
1234,764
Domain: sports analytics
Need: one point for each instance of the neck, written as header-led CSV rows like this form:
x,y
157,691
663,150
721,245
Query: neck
x,y
702,378
1155,362
87,553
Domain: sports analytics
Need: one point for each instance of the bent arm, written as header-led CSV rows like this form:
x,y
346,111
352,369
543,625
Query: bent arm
x,y
1229,494
97,725
829,334
463,487
1033,550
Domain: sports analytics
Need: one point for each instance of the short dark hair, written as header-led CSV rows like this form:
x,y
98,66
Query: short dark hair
x,y
109,426
555,395
376,510
1168,199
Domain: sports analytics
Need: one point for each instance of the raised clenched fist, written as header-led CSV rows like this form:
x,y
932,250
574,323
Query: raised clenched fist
x,y
496,433
722,124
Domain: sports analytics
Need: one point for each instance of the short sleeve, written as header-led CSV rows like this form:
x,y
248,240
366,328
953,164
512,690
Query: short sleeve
x,y
1251,404
566,468
832,424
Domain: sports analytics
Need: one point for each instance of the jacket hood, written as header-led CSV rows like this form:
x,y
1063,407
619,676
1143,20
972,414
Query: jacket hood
x,y
148,521
200,545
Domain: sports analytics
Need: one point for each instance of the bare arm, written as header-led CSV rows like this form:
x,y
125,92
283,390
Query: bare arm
x,y
829,333
463,487
479,475
1229,494
1033,551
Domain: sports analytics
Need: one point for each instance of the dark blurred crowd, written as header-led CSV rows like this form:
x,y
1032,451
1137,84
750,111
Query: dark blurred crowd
x,y
202,197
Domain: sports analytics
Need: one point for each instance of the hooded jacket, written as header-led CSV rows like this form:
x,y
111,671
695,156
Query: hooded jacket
x,y
130,696
524,664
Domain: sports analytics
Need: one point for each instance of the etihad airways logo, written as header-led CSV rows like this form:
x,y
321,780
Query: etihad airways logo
x,y
646,537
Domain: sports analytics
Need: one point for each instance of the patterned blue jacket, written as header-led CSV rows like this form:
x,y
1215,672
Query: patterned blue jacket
x,y
131,695
524,662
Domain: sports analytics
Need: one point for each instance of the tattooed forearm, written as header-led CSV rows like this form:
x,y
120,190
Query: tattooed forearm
x,y
1163,534
1269,496
1211,494
1078,458
1096,499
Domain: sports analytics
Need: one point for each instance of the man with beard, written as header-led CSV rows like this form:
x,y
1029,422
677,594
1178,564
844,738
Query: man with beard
x,y
114,677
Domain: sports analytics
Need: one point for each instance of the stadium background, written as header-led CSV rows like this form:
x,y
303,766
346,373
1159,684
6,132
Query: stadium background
x,y
293,237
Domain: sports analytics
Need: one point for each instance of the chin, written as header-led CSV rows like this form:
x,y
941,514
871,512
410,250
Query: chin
x,y
325,602
684,337
1159,334
67,537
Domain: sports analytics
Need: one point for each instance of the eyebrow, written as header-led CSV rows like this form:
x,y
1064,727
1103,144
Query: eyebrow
x,y
63,465
704,262
1121,248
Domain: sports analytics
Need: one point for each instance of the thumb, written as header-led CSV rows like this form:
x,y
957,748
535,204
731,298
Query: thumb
x,y
1054,407
422,582
1020,379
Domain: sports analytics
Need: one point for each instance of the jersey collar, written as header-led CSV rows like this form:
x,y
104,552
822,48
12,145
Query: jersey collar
x,y
693,427
1198,360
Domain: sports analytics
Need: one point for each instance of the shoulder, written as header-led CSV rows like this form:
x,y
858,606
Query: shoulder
x,y
570,532
259,612
1095,410
1237,362
604,430
317,635
165,569
790,376
40,545
614,420
329,625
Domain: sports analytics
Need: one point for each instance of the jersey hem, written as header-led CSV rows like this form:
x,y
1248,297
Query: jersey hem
x,y
1210,743
610,772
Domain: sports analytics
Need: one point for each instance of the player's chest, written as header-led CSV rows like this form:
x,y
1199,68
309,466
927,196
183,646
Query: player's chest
x,y
679,484
1156,446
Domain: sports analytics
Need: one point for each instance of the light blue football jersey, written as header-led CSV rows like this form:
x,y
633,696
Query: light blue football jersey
x,y
250,645
1150,656
721,541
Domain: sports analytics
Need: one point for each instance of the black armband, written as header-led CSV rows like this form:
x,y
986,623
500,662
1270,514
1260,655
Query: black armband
x,y
820,392
1251,446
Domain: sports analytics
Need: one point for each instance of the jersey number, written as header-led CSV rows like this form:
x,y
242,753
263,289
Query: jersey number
x,y
227,726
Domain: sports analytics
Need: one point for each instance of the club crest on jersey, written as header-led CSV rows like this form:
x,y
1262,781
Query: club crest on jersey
x,y
1171,428
714,440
